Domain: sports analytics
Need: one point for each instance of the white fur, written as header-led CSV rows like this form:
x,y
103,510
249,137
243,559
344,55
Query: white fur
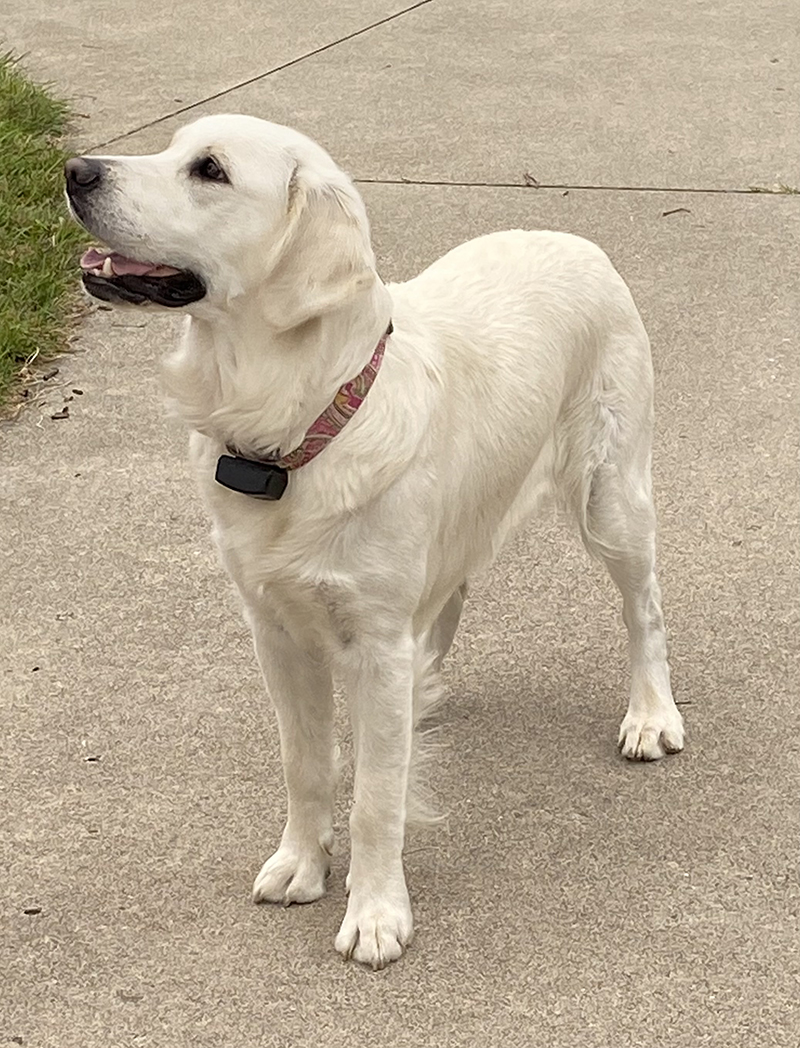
x,y
518,368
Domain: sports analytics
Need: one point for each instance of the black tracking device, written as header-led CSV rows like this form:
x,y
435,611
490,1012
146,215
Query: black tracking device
x,y
259,480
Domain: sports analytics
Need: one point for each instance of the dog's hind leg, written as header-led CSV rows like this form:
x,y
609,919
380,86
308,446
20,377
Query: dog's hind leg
x,y
302,692
618,522
443,631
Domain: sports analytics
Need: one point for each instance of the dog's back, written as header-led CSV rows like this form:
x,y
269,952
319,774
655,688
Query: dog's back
x,y
540,359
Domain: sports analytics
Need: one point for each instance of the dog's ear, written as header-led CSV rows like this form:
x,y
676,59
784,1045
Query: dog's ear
x,y
326,257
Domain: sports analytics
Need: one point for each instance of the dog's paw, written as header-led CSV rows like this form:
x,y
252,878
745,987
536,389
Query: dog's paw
x,y
648,737
375,932
292,875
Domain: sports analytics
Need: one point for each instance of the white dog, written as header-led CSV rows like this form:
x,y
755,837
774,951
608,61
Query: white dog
x,y
395,435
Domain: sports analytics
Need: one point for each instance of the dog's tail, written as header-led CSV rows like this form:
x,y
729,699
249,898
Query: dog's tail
x,y
428,694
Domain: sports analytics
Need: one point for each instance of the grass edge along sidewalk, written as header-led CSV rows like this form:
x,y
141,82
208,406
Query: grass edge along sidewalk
x,y
39,243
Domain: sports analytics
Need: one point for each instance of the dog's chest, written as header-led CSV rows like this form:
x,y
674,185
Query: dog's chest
x,y
296,585
284,559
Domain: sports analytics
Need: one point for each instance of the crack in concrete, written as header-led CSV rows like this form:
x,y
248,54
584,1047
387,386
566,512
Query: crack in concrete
x,y
260,76
755,191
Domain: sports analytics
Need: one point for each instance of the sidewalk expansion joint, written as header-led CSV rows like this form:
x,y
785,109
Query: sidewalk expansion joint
x,y
750,191
260,76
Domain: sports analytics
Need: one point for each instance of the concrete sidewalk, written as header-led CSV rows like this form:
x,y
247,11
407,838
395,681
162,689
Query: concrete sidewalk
x,y
571,900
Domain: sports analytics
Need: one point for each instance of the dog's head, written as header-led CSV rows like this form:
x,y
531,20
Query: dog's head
x,y
234,206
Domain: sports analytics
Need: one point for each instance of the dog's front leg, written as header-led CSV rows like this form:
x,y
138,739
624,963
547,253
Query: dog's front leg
x,y
301,689
378,677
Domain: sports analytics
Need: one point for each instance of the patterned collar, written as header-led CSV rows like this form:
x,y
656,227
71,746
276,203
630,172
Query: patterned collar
x,y
266,478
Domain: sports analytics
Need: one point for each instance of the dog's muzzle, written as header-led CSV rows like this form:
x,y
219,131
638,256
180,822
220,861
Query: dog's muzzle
x,y
109,275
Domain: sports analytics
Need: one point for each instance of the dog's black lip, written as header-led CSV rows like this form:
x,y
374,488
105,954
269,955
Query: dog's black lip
x,y
180,289
79,208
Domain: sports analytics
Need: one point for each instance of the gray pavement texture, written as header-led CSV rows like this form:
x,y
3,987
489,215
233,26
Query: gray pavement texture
x,y
570,900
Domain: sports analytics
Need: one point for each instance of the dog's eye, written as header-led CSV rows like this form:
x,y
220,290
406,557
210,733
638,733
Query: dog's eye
x,y
209,170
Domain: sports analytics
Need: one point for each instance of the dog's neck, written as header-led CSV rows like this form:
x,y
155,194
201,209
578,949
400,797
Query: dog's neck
x,y
243,382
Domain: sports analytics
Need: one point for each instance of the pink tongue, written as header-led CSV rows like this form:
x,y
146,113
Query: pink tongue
x,y
94,259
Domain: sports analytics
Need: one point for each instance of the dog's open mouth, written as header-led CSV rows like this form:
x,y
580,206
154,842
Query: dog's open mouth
x,y
114,278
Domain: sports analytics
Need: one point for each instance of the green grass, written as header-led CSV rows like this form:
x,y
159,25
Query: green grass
x,y
39,243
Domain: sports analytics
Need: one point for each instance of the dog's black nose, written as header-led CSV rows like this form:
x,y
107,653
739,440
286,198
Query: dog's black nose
x,y
83,172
